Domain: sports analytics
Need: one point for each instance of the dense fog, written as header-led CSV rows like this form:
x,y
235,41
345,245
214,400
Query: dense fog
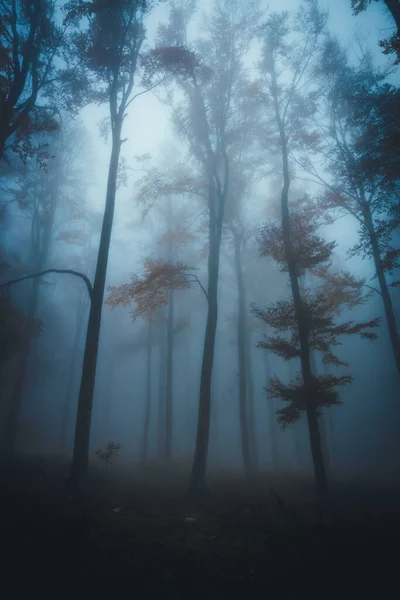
x,y
226,92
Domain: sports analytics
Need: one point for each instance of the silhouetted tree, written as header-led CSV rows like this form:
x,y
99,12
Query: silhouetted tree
x,y
30,42
309,318
103,55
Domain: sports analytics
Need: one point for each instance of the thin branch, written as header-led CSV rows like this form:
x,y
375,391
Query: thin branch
x,y
196,279
41,273
371,287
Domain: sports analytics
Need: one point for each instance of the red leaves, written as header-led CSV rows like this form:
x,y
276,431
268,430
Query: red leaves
x,y
152,291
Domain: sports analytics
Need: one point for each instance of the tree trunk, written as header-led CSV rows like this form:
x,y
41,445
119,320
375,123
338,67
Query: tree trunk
x,y
10,439
272,422
394,7
386,298
250,401
243,412
305,355
161,391
169,378
80,458
41,239
148,394
70,384
197,481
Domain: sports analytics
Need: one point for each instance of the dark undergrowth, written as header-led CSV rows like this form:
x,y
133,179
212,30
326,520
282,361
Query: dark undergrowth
x,y
135,532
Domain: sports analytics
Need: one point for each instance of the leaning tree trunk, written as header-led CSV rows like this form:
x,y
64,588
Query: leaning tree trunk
x,y
305,353
148,394
80,458
197,480
70,384
243,412
386,298
169,378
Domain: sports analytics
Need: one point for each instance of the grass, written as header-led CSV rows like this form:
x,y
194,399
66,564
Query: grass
x,y
136,528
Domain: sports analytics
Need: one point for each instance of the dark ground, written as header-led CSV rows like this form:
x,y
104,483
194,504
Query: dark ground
x,y
239,542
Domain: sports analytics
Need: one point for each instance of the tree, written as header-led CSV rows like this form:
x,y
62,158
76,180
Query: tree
x,y
209,79
42,194
309,318
392,44
151,294
30,42
282,102
103,56
361,179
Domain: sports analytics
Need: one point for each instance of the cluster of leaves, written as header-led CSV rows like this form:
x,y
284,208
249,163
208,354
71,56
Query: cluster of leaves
x,y
322,303
176,61
392,44
309,249
102,52
151,292
30,40
296,396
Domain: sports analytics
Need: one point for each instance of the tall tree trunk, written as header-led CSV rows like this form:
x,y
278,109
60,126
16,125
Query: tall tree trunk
x,y
250,401
297,433
169,378
148,394
11,434
386,298
41,238
70,384
305,354
243,412
272,422
197,480
80,458
161,391
394,7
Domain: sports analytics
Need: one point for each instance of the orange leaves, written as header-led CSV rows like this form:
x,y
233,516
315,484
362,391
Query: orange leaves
x,y
177,240
151,292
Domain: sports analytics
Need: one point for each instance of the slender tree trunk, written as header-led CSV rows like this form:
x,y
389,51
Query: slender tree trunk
x,y
272,422
70,384
243,411
197,481
161,391
305,354
80,458
10,439
148,394
169,378
250,401
41,249
386,298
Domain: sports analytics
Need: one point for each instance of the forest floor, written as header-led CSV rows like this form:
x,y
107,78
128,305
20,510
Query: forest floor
x,y
136,531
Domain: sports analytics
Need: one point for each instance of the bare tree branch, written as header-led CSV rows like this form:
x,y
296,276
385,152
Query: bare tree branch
x,y
41,273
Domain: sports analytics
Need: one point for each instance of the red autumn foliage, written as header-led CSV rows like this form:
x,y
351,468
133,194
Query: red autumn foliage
x,y
151,292
321,305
